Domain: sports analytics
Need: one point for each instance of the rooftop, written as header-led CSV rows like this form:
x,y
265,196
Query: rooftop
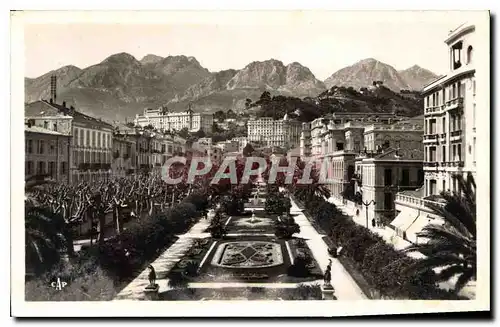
x,y
38,129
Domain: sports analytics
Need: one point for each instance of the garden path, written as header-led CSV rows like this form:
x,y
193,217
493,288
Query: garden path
x,y
345,286
163,264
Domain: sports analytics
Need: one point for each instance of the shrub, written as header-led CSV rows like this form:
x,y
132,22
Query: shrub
x,y
177,280
277,203
300,268
286,227
382,266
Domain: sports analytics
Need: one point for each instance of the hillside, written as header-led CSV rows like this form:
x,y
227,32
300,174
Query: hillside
x,y
121,86
337,99
364,72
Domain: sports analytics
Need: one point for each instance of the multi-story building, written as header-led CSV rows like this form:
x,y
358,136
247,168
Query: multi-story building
x,y
284,133
305,140
340,146
91,141
163,120
150,149
47,153
450,116
242,142
124,155
228,146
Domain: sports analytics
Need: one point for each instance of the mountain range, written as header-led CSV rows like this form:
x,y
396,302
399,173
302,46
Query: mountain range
x,y
121,86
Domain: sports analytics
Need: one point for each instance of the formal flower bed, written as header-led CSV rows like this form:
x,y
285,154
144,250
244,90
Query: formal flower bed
x,y
381,266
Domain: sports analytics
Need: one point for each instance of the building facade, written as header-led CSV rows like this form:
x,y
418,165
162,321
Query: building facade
x,y
450,116
163,120
338,145
91,138
47,153
283,133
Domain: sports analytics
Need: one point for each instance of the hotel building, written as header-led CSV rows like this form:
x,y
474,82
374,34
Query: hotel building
x,y
450,116
163,120
283,133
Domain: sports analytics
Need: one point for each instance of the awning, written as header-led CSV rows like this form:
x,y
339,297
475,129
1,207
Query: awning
x,y
404,220
416,227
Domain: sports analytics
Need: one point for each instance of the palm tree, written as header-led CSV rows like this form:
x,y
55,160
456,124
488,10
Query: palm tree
x,y
451,247
43,229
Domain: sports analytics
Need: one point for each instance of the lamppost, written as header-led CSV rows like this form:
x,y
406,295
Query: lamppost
x,y
366,204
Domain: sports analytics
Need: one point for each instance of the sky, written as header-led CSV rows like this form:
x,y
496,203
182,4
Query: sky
x,y
324,42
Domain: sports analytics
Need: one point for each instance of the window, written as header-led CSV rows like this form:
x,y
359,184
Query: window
x,y
52,168
459,151
443,153
75,137
456,53
64,168
52,147
29,168
387,177
432,126
98,139
41,168
41,146
406,177
388,201
88,138
93,139
46,124
469,54
432,187
432,154
55,127
29,146
340,146
82,137
443,125
444,185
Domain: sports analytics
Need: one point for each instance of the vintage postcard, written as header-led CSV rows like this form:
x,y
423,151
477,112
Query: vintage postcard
x,y
250,163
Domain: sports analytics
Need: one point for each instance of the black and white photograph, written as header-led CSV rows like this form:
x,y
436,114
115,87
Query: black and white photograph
x,y
250,163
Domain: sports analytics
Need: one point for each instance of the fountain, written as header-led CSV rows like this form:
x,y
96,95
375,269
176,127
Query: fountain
x,y
252,220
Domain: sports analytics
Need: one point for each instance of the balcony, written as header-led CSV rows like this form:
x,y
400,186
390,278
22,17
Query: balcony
x,y
456,135
434,110
431,164
455,103
430,138
417,202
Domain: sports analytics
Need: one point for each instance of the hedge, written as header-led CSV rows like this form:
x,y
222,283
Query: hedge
x,y
382,266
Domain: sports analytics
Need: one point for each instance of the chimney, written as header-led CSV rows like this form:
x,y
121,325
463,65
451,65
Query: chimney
x,y
50,101
53,87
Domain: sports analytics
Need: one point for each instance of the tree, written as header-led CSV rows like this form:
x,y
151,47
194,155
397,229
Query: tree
x,y
451,247
248,150
265,96
248,103
184,133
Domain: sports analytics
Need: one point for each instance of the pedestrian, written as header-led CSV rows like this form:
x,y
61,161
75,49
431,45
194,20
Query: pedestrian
x,y
152,275
373,222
